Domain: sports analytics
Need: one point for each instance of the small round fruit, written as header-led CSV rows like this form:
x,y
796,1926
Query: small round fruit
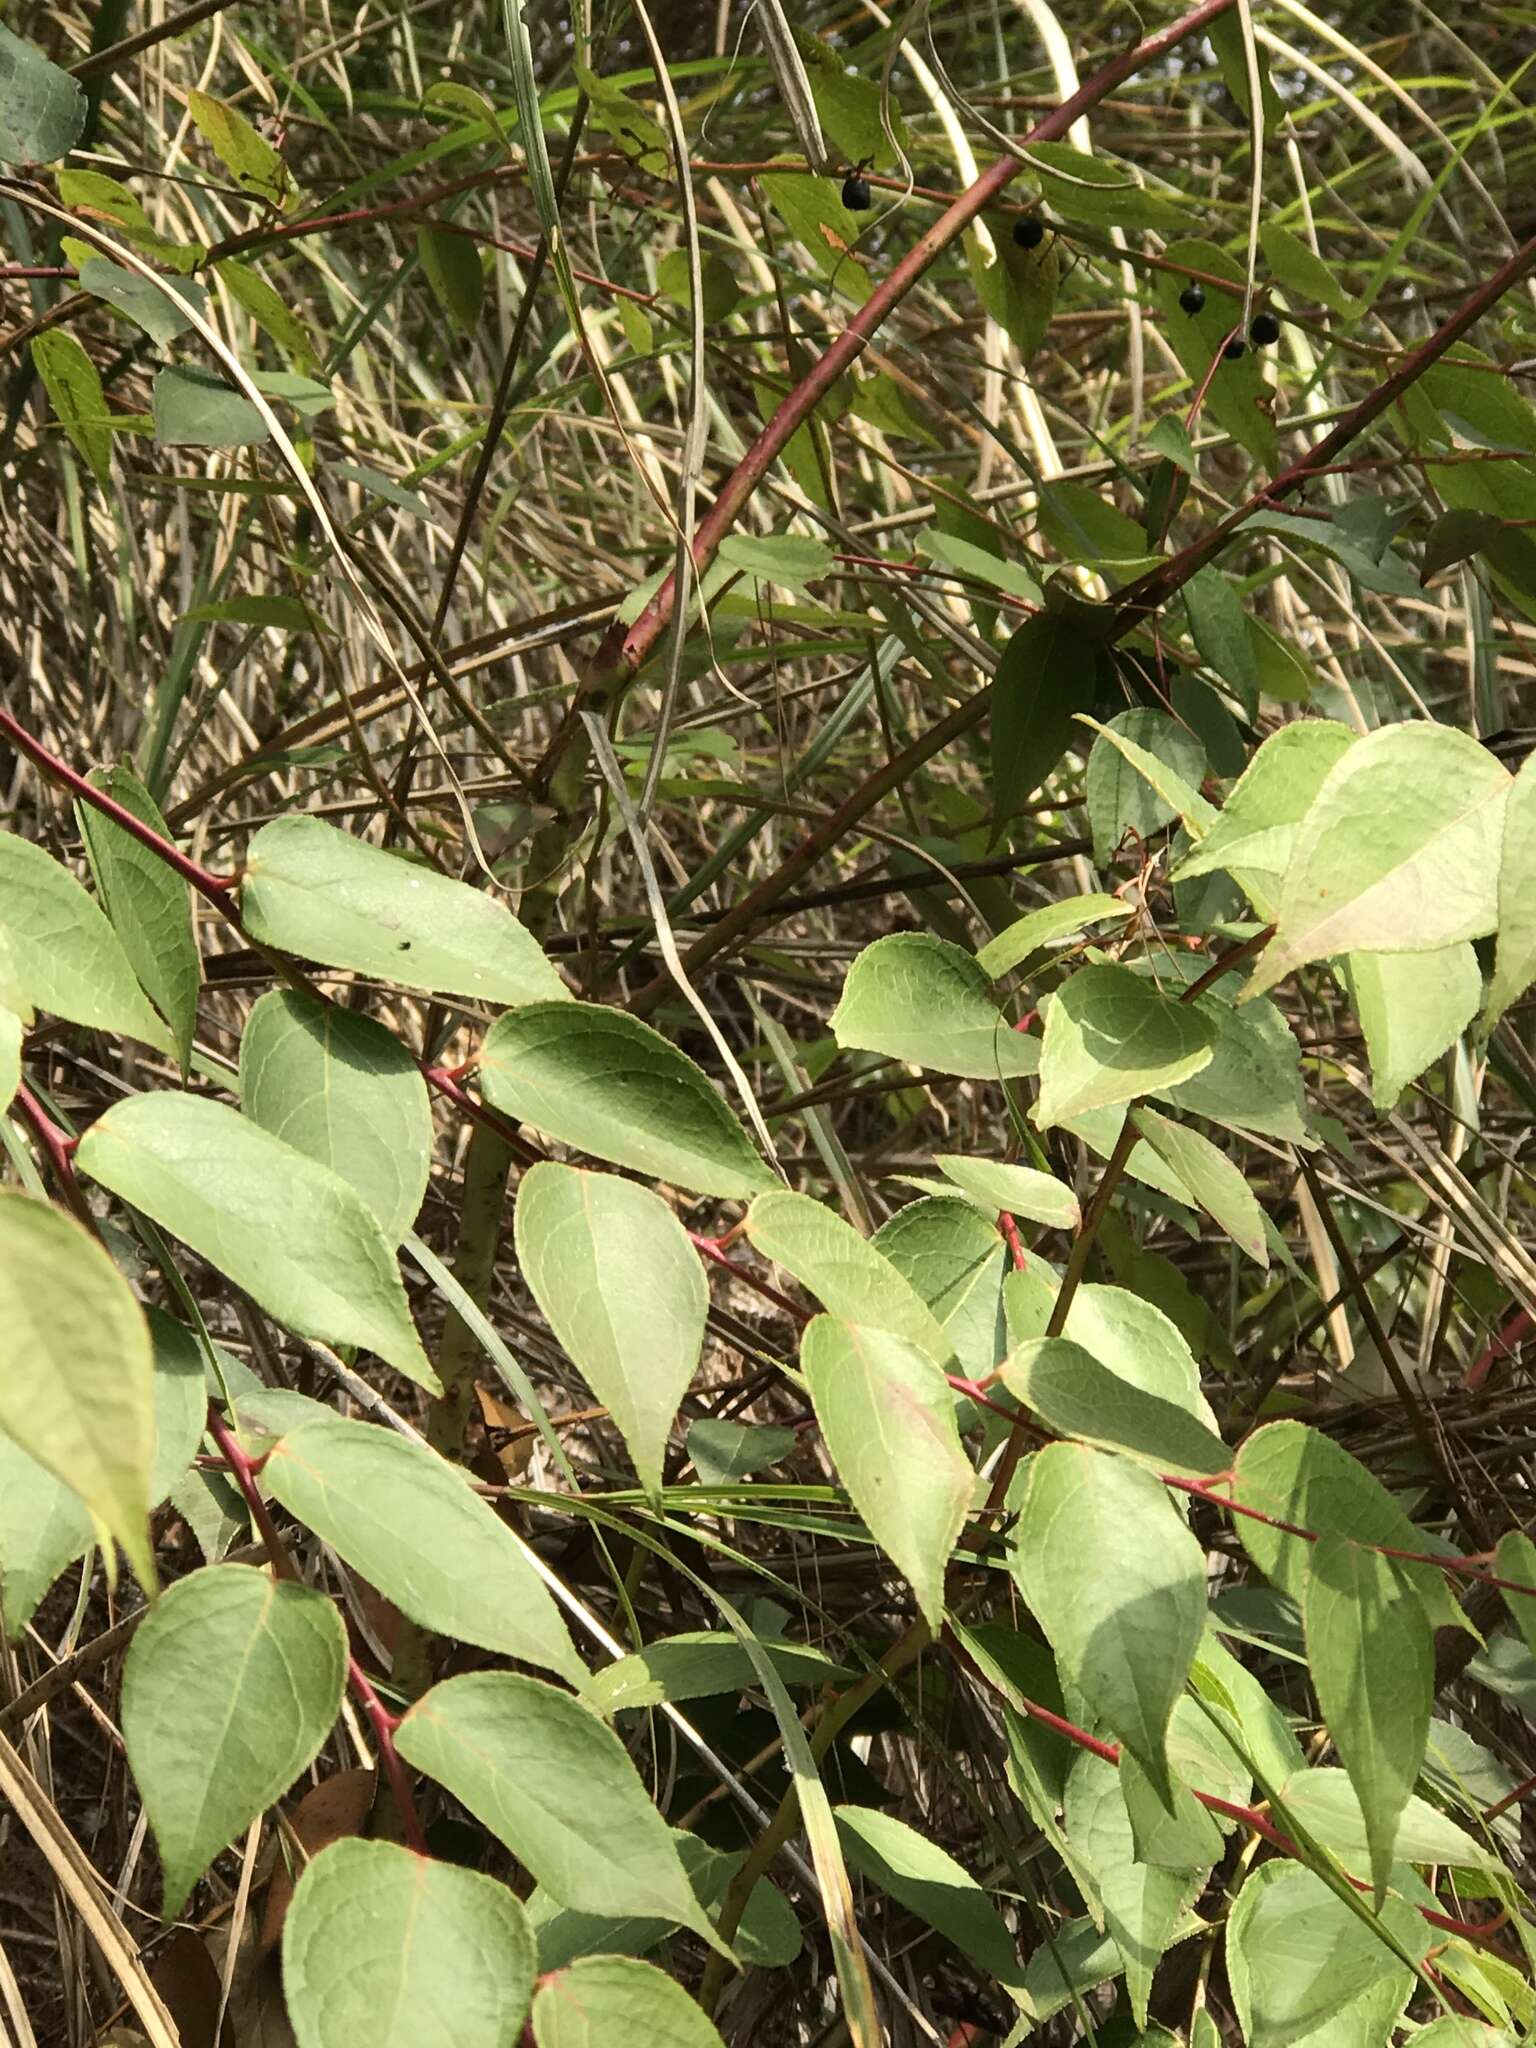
x,y
1029,231
1234,349
1192,298
856,193
1263,329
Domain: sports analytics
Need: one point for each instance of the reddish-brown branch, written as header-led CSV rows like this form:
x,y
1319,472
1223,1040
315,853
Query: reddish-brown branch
x,y
58,1149
216,888
1248,1816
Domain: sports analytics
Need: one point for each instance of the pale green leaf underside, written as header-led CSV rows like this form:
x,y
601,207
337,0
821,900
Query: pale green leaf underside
x,y
299,1239
404,1951
327,896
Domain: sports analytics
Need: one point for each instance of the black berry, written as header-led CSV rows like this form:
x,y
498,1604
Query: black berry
x,y
1264,328
1234,349
1029,231
856,193
1192,298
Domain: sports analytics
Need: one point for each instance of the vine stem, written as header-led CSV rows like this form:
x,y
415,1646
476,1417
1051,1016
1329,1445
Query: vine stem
x,y
216,888
58,1149
243,1470
1248,1816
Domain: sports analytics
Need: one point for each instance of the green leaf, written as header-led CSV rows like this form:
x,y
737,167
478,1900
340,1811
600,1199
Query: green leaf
x,y
849,104
1293,264
78,1389
1306,1972
1143,770
1253,1082
1455,537
1398,853
1190,1836
954,1260
617,2002
1412,1007
42,109
848,1275
44,1527
1255,832
813,211
1295,1474
10,1056
74,388
250,289
1111,1036
1115,1579
1371,1652
384,1946
197,409
1037,928
1516,1560
717,282
997,1185
93,192
624,1292
1050,670
1236,396
326,896
1138,1343
62,954
888,1418
557,1786
700,1666
1142,1904
1215,1184
250,159
1218,625
1102,190
884,403
769,1934
146,305
922,1000
1078,1397
607,1084
1083,526
1017,287
1328,1807
415,1528
978,563
633,130
232,1683
299,1239
44,1524
147,902
792,560
1074,1961
451,266
927,1880
265,608
1514,965
723,1452
340,1088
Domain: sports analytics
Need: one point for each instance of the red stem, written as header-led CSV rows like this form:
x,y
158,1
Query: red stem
x,y
709,1248
215,887
1249,1816
1501,1347
58,1149
1010,1230
243,1470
